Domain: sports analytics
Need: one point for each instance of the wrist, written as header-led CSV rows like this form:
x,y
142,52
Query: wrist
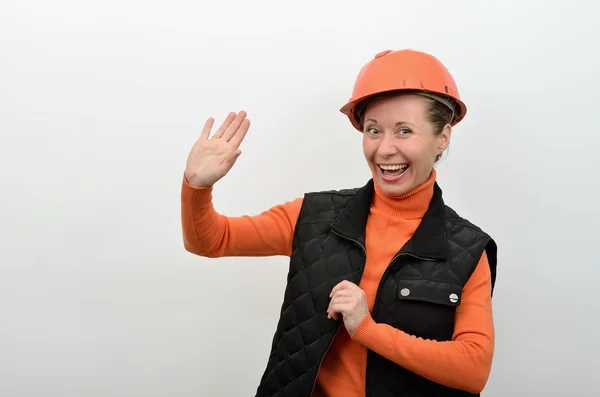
x,y
363,328
194,184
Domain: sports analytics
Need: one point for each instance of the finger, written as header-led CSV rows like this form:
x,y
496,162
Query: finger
x,y
226,123
237,139
343,293
339,300
234,126
344,300
345,284
341,308
207,127
332,313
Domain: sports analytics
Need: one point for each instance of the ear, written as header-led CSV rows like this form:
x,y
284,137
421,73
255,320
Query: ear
x,y
444,138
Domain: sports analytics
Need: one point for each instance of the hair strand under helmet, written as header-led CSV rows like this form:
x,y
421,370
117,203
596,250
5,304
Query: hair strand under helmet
x,y
405,70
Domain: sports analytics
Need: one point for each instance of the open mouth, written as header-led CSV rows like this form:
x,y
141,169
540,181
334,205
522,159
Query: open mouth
x,y
392,172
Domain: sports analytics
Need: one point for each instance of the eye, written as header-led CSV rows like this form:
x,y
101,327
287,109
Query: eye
x,y
404,131
372,130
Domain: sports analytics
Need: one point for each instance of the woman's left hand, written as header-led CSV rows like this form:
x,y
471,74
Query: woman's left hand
x,y
350,301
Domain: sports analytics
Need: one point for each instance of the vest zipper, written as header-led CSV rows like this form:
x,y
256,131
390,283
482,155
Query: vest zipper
x,y
353,240
376,295
321,362
338,329
409,254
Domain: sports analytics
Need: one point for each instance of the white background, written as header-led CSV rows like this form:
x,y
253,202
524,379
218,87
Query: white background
x,y
100,102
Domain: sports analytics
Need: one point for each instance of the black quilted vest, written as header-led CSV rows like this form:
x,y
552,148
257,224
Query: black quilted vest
x,y
418,293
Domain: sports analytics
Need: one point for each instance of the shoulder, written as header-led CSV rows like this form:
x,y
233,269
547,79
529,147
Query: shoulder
x,y
327,204
454,219
348,192
465,232
336,197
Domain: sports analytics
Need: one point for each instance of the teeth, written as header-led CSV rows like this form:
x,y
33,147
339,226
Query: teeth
x,y
394,167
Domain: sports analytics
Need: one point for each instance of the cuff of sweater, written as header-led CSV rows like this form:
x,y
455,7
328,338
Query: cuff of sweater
x,y
198,195
365,331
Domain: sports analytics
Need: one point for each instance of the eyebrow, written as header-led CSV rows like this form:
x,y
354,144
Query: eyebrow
x,y
397,124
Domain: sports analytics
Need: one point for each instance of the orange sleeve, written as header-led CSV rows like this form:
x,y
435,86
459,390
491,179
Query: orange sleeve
x,y
210,234
463,363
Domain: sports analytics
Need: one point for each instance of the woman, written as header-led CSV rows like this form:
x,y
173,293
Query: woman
x,y
389,290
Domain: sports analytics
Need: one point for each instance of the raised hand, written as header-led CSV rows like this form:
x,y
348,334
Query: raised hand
x,y
211,158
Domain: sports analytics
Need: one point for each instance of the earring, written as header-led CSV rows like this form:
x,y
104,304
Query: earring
x,y
438,157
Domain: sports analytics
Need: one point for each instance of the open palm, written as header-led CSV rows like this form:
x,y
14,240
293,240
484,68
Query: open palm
x,y
211,158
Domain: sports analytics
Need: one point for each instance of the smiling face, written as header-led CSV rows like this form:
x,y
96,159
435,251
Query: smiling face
x,y
400,143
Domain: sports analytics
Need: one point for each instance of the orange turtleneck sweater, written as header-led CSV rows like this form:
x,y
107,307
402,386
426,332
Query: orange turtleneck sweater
x,y
463,363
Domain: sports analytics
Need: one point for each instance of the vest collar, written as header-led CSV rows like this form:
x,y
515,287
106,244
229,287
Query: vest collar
x,y
429,239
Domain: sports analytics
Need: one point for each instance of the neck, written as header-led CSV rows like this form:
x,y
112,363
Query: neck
x,y
410,205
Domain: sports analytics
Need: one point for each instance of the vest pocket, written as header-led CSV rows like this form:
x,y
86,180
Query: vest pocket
x,y
440,292
419,306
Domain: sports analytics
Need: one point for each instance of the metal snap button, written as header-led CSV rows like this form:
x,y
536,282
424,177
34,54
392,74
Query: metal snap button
x,y
453,298
404,292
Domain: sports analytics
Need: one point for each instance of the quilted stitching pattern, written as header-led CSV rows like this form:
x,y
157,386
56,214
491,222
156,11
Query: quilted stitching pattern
x,y
427,311
321,259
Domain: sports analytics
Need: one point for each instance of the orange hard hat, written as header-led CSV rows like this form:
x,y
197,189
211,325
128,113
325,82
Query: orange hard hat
x,y
405,70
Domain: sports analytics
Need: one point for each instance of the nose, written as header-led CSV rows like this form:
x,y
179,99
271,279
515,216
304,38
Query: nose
x,y
387,146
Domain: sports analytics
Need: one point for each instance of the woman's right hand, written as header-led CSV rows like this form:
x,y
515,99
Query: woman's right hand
x,y
211,158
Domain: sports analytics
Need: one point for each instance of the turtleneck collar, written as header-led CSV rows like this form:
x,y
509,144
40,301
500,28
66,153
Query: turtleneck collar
x,y
411,205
